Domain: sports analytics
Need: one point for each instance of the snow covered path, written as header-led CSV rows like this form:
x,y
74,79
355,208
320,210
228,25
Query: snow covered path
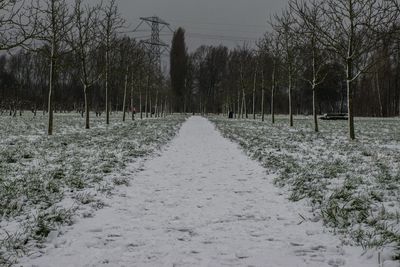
x,y
203,202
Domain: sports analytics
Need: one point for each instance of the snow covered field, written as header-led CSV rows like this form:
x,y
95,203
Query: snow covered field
x,y
203,202
353,187
45,181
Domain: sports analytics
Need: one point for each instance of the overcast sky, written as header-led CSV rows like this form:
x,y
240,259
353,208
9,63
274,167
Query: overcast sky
x,y
209,22
230,22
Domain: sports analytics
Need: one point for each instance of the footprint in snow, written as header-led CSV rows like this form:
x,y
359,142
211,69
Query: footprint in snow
x,y
336,262
312,232
96,230
294,244
242,255
319,248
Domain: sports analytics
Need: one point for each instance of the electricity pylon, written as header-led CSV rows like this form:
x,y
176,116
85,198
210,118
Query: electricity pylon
x,y
155,45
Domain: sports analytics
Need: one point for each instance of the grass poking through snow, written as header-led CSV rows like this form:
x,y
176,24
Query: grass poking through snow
x,y
354,186
44,180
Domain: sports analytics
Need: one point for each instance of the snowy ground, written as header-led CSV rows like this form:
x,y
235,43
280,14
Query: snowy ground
x,y
46,181
201,203
353,186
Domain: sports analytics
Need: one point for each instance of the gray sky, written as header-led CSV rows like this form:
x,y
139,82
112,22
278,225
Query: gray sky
x,y
211,22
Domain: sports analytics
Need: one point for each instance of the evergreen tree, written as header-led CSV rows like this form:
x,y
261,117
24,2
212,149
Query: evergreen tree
x,y
178,69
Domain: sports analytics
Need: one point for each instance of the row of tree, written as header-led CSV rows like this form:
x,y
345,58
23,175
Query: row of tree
x,y
321,56
65,57
326,56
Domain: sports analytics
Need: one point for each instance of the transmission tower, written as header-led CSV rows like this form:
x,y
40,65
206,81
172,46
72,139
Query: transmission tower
x,y
155,45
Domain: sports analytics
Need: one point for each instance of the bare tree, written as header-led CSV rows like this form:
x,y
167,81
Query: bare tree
x,y
110,26
262,95
18,23
352,29
262,53
244,63
284,26
271,44
125,93
84,40
126,52
314,54
136,71
54,26
148,86
396,4
243,108
256,59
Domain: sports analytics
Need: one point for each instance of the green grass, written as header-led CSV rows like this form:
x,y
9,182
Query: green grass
x,y
38,173
353,185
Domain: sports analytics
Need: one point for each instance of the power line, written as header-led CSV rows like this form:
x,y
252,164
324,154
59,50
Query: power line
x,y
214,29
220,24
206,35
155,44
234,39
210,35
157,25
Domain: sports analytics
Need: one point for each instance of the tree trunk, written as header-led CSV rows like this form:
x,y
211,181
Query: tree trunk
x,y
315,109
273,94
342,97
156,106
146,96
165,108
125,93
243,103
262,96
378,87
254,93
87,126
290,99
151,108
140,103
238,105
162,109
184,104
107,104
51,85
132,106
350,99
273,105
50,100
245,107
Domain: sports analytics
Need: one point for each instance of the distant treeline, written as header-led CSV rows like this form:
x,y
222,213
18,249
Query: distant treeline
x,y
24,80
321,56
